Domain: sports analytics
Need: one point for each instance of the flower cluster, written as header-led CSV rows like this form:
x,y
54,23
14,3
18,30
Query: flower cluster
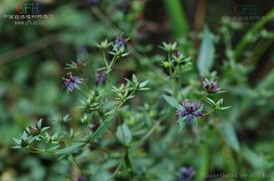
x,y
71,82
38,134
100,108
174,59
189,111
120,41
119,46
186,174
210,86
100,78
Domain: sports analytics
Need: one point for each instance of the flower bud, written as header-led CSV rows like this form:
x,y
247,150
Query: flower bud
x,y
210,86
100,78
33,131
24,143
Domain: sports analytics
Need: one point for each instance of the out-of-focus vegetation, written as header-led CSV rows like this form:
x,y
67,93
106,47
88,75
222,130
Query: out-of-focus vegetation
x,y
235,143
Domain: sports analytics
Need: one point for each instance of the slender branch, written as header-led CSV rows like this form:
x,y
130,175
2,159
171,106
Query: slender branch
x,y
144,138
117,168
113,60
209,112
28,49
104,57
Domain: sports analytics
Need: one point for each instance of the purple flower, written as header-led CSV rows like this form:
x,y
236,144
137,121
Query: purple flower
x,y
190,111
100,78
186,174
81,178
210,86
177,54
71,82
120,41
93,2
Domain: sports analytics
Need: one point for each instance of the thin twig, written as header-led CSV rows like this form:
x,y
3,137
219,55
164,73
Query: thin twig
x,y
28,49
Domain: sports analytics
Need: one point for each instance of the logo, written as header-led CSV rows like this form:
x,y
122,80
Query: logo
x,y
245,10
28,8
246,13
28,13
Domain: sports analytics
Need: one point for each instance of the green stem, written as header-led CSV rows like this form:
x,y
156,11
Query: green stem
x,y
102,68
209,112
128,164
203,97
144,138
171,74
109,68
74,161
104,57
169,61
117,168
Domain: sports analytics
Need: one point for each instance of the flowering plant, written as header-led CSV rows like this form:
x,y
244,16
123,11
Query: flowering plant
x,y
132,108
106,110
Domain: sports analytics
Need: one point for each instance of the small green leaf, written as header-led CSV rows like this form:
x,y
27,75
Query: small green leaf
x,y
66,118
171,101
225,108
17,141
54,148
45,129
230,136
71,149
144,89
102,129
25,135
210,101
143,84
206,53
17,147
39,124
124,134
181,122
134,78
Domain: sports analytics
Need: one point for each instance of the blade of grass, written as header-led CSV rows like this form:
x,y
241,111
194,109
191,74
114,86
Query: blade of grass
x,y
255,28
259,50
177,17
